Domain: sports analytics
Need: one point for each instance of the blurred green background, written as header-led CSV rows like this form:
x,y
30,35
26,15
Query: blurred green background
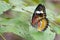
x,y
15,17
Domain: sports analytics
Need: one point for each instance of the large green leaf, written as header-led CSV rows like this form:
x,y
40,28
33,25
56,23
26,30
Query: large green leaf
x,y
20,25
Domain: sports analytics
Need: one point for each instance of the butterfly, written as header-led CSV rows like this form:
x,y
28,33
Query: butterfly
x,y
39,19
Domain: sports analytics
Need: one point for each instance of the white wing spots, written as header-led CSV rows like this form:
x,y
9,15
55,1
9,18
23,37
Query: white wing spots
x,y
38,12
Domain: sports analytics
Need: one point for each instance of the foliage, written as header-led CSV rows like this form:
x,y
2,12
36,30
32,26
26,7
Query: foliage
x,y
19,22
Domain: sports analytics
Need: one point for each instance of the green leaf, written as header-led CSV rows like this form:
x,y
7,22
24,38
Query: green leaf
x,y
4,6
45,35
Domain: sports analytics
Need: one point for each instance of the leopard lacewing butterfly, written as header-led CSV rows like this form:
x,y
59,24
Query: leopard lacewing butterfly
x,y
39,19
